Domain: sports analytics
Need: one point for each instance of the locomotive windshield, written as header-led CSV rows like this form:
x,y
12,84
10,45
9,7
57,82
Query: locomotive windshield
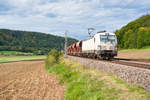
x,y
107,38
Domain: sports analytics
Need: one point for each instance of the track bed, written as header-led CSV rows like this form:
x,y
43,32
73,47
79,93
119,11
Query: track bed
x,y
128,62
123,70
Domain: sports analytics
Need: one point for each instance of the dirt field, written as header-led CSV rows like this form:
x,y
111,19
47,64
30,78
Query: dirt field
x,y
134,55
28,80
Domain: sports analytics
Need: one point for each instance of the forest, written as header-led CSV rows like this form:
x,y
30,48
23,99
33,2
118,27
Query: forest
x,y
34,42
135,34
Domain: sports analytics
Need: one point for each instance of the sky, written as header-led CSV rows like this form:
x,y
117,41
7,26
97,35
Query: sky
x,y
75,16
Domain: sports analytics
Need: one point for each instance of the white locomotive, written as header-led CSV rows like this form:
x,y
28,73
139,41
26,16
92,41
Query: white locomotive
x,y
102,45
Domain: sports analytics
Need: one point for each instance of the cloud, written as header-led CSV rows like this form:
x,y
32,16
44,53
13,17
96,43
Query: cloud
x,y
56,16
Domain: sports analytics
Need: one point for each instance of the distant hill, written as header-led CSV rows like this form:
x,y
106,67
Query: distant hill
x,y
135,34
35,42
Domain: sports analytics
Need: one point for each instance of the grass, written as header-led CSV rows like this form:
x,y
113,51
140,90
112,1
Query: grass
x,y
80,86
133,88
19,58
85,84
135,50
8,53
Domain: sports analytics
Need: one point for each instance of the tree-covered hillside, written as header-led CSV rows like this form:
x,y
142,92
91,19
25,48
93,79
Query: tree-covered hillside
x,y
136,34
35,42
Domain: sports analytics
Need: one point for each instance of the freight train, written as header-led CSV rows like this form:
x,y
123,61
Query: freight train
x,y
102,45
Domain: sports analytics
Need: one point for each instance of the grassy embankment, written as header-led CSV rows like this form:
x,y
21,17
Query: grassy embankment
x,y
7,56
85,84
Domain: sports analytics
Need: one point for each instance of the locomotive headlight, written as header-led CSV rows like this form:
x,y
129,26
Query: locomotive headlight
x,y
99,47
102,47
111,47
115,46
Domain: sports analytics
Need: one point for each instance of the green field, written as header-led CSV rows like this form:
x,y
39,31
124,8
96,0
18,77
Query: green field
x,y
19,58
9,53
135,50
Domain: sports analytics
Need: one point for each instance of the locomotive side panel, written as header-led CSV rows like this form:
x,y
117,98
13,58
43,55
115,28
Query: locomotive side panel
x,y
88,46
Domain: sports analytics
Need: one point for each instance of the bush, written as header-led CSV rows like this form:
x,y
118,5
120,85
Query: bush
x,y
50,60
56,54
53,57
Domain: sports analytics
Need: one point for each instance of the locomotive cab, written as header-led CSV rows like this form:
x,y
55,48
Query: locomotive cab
x,y
107,46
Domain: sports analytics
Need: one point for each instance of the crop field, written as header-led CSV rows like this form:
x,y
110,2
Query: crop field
x,y
28,80
142,54
19,58
136,50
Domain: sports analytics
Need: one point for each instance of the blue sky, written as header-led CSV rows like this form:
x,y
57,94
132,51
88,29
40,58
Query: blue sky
x,y
76,16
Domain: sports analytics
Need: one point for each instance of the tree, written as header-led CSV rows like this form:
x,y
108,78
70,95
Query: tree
x,y
135,34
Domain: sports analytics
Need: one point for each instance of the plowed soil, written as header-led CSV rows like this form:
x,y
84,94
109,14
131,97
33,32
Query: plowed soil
x,y
134,55
28,80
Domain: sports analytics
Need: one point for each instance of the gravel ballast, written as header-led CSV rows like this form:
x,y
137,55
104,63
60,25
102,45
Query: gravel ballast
x,y
132,75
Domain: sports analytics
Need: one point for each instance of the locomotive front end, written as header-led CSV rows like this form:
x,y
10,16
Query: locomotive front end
x,y
108,45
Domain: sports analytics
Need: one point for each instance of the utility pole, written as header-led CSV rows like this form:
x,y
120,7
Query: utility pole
x,y
66,44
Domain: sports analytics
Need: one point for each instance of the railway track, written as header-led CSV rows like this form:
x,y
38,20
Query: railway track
x,y
128,62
